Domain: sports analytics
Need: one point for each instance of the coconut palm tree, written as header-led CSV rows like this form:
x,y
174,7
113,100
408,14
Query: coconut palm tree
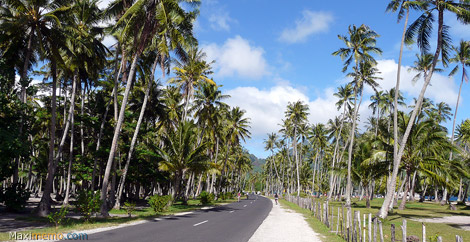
x,y
192,72
142,21
420,31
181,153
461,57
236,128
270,144
360,44
296,114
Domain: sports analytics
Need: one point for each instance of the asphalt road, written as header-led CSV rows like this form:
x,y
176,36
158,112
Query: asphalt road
x,y
235,222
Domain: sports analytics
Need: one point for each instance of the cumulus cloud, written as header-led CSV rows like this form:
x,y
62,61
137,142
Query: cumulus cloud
x,y
237,57
442,88
310,23
220,21
266,107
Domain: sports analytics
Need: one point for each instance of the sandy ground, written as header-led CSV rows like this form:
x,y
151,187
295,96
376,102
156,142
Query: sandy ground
x,y
462,222
284,225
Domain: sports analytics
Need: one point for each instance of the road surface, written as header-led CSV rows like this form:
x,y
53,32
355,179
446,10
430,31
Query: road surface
x,y
235,222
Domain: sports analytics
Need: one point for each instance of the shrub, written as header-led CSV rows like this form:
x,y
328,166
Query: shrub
x,y
15,197
129,207
206,198
303,194
88,203
58,217
159,203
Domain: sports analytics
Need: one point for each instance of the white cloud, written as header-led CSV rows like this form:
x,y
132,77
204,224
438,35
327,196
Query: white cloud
x,y
220,21
266,107
442,88
310,23
237,57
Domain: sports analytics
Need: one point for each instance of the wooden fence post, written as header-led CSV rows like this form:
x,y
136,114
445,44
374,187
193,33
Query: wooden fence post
x,y
370,227
458,238
342,220
424,233
375,229
439,239
364,227
392,230
337,222
381,231
403,229
355,227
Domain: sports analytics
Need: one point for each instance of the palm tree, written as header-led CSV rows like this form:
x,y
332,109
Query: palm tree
x,y
236,129
461,57
190,73
296,114
401,6
181,153
271,145
345,95
420,30
142,21
359,46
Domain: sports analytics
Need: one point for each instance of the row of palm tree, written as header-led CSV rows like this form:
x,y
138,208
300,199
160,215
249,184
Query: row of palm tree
x,y
166,140
418,145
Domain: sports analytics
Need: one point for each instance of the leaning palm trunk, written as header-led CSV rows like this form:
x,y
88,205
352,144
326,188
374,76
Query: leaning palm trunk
x,y
69,170
296,161
397,158
335,154
117,132
45,203
117,205
444,195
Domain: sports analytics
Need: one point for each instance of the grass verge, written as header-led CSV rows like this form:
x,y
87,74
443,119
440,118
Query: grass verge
x,y
314,223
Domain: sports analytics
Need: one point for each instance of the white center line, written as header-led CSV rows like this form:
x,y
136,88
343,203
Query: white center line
x,y
251,202
244,205
232,211
200,223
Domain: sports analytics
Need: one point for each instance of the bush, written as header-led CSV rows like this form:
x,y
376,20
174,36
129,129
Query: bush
x,y
206,198
159,203
15,197
303,195
88,203
129,207
58,217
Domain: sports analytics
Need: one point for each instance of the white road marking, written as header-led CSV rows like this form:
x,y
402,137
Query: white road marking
x,y
200,223
251,202
231,211
244,205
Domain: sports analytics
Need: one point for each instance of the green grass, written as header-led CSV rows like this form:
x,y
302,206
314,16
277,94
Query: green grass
x,y
140,214
314,223
414,210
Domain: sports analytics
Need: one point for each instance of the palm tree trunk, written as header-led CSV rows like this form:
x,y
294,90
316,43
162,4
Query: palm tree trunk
x,y
117,131
45,203
335,153
407,189
117,205
296,160
383,213
351,144
69,170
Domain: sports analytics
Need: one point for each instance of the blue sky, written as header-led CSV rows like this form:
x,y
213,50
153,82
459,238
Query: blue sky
x,y
271,52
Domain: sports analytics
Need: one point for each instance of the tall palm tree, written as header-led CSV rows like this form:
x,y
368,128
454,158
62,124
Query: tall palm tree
x,y
420,30
296,114
360,44
236,129
270,144
181,153
142,21
191,73
401,6
345,95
